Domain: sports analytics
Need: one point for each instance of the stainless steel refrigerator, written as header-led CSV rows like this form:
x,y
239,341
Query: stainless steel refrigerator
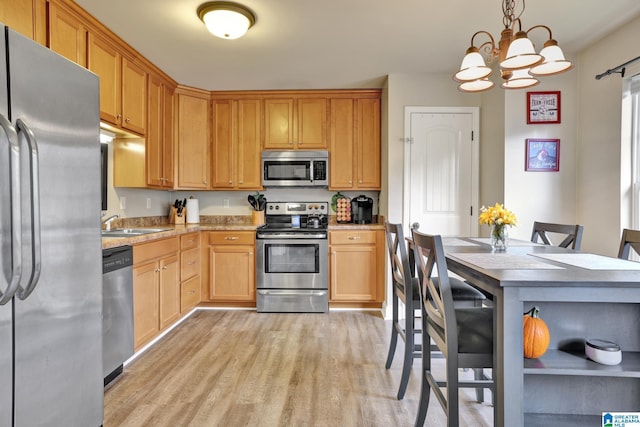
x,y
50,248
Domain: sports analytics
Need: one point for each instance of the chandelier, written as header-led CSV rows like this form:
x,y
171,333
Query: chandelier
x,y
518,61
225,19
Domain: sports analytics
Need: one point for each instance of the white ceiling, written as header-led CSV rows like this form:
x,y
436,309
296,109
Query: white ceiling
x,y
336,44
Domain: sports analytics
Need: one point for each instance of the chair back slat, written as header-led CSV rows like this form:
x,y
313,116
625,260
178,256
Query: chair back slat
x,y
630,240
398,256
437,301
572,232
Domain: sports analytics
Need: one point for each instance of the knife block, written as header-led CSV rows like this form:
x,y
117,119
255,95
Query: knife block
x,y
257,217
175,218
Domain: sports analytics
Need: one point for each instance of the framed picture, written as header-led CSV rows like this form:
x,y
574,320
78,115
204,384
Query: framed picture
x,y
543,107
542,155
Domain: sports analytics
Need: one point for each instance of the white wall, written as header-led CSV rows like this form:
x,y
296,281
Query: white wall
x,y
600,158
540,196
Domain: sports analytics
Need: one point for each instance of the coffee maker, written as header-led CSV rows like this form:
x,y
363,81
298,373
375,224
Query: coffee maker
x,y
362,209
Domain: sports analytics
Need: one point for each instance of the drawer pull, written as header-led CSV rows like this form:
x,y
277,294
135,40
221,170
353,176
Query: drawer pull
x,y
354,237
231,238
191,263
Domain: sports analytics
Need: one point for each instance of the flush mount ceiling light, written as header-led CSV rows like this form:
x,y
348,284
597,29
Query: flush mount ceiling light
x,y
519,63
225,19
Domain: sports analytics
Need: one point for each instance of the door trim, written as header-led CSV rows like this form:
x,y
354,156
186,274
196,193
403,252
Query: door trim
x,y
475,159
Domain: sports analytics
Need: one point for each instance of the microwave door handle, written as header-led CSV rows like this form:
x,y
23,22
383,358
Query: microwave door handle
x,y
16,213
34,175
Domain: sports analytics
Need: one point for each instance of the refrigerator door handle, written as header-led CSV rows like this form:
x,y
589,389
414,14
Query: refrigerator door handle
x,y
34,168
16,214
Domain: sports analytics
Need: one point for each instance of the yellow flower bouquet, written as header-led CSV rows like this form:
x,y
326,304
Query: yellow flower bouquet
x,y
498,218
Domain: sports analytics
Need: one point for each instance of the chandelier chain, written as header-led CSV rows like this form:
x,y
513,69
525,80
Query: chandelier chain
x,y
509,12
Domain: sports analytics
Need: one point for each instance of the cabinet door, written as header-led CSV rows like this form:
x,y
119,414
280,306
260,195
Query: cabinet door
x,y
193,142
249,164
368,144
18,14
169,291
67,35
104,60
134,97
232,273
341,150
222,170
168,158
312,123
278,123
145,303
353,273
154,137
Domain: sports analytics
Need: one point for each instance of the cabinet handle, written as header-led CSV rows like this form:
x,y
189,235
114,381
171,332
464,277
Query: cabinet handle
x,y
350,182
204,181
353,237
127,120
250,253
164,268
360,181
240,182
191,292
230,182
191,263
231,238
118,116
157,270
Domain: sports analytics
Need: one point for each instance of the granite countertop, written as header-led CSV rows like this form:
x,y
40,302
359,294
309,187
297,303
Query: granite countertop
x,y
236,223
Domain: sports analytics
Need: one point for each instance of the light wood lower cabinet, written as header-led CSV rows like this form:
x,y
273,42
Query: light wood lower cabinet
x,y
232,266
156,288
356,265
190,266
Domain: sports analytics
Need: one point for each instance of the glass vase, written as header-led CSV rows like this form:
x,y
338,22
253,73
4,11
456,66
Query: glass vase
x,y
499,238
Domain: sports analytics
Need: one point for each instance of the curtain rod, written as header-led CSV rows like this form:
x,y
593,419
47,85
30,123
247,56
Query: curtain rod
x,y
619,69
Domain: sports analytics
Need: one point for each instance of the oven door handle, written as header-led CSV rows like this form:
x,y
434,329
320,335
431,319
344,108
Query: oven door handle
x,y
282,292
292,236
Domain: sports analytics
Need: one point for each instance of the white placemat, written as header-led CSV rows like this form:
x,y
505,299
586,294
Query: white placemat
x,y
511,242
504,261
592,261
454,241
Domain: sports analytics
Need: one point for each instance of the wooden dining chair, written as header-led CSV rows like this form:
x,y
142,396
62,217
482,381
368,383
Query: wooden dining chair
x,y
405,290
571,233
463,334
630,240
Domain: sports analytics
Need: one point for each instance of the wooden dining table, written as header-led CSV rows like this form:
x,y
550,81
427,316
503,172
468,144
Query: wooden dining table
x,y
580,296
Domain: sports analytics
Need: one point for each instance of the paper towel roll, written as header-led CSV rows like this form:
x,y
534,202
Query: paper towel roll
x,y
193,212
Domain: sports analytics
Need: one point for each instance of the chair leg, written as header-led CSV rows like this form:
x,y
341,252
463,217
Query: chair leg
x,y
394,331
425,389
407,363
452,393
479,375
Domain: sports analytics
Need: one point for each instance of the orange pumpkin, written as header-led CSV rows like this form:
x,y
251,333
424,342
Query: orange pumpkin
x,y
536,334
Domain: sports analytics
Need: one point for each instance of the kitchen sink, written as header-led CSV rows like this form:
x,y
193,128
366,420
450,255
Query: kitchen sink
x,y
131,232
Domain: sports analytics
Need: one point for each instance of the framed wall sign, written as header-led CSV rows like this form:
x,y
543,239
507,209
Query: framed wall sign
x,y
542,155
543,107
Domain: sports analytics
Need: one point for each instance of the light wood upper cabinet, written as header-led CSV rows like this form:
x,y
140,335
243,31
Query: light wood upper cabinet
x,y
18,15
295,123
66,33
236,144
159,146
355,146
123,86
193,139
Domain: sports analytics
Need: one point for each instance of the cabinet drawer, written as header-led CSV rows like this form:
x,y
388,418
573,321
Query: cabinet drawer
x,y
189,263
155,249
232,238
190,294
352,237
189,241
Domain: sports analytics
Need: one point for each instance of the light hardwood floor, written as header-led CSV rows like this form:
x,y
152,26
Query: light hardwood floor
x,y
242,368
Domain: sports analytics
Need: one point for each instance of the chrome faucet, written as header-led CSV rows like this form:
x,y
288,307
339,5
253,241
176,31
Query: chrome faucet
x,y
107,222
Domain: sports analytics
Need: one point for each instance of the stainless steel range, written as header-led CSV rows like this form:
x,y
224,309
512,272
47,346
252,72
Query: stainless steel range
x,y
292,258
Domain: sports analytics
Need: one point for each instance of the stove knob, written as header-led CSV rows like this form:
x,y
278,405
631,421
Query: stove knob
x,y
277,207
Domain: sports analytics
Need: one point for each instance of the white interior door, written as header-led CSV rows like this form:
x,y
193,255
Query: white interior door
x,y
441,170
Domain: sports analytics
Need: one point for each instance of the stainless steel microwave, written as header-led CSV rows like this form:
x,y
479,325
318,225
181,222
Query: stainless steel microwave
x,y
295,168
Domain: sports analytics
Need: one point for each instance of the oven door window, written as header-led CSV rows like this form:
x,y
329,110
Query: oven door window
x,y
292,258
294,170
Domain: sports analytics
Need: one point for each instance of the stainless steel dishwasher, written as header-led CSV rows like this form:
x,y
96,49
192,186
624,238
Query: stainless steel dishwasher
x,y
117,310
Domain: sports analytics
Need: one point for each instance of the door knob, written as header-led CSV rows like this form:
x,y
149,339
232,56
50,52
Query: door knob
x,y
415,225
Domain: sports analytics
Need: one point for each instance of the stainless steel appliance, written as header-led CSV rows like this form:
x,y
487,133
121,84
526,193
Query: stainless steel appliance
x,y
292,258
299,168
50,245
362,209
117,310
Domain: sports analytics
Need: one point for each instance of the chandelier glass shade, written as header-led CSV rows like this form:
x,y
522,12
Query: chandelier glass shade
x,y
518,61
226,20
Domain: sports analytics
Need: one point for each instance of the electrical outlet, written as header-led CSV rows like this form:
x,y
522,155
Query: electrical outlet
x,y
123,202
148,202
225,203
